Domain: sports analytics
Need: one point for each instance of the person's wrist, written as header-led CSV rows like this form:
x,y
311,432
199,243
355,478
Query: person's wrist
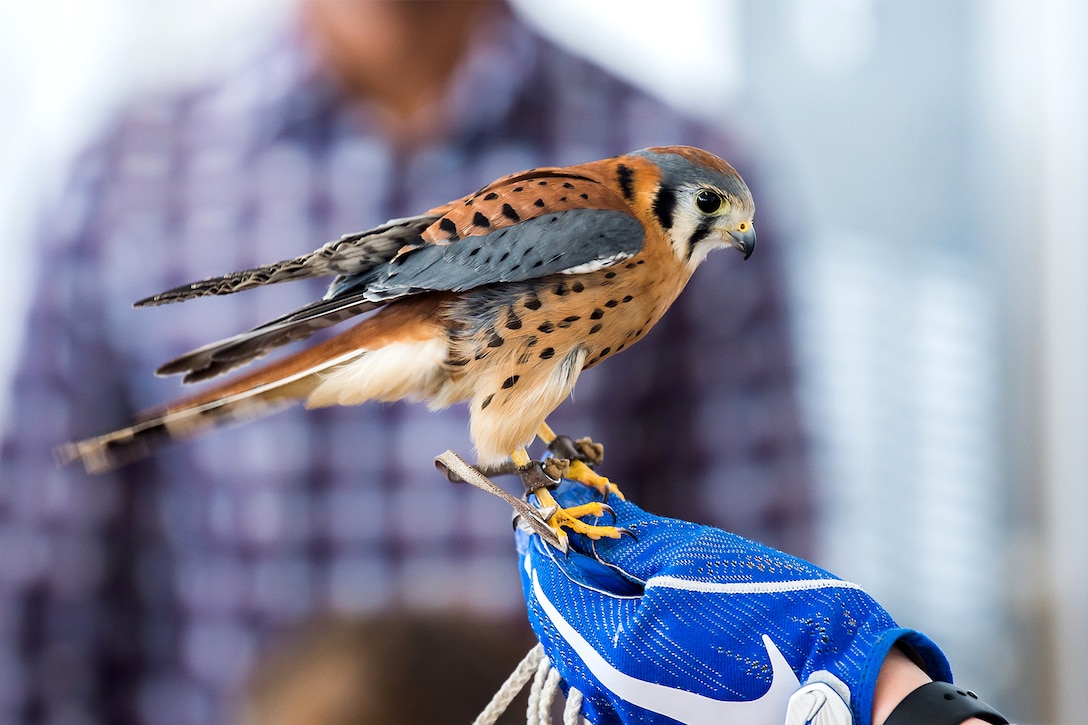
x,y
899,676
904,705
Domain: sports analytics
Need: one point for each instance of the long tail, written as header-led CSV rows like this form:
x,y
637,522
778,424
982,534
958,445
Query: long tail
x,y
270,388
221,356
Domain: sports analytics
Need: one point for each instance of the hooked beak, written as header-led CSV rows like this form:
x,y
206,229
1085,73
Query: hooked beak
x,y
744,239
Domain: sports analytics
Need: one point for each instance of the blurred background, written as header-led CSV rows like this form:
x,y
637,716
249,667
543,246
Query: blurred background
x,y
930,157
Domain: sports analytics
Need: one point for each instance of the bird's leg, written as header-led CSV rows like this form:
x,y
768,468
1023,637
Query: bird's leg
x,y
539,484
583,455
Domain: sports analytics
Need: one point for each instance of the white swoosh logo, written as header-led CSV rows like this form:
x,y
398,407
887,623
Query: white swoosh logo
x,y
681,705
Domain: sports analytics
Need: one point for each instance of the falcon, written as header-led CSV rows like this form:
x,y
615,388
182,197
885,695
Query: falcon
x,y
499,299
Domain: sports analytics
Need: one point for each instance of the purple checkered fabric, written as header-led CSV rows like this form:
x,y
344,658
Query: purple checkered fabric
x,y
143,596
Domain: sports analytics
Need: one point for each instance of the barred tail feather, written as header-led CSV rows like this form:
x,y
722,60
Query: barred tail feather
x,y
337,371
219,357
190,417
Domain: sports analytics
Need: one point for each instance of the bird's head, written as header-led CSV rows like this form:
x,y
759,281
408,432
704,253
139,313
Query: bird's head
x,y
701,202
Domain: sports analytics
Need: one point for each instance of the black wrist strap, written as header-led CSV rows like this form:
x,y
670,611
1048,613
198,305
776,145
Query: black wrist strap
x,y
941,703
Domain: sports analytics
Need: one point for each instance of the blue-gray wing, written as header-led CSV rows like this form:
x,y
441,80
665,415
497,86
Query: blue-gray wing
x,y
571,241
575,240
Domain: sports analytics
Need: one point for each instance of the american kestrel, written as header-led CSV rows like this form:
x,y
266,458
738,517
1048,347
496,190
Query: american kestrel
x,y
499,299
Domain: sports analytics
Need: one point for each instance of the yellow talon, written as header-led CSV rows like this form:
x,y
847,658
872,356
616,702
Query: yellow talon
x,y
560,519
582,473
569,518
579,470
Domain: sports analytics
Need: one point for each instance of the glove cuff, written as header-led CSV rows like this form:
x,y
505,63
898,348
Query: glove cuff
x,y
941,703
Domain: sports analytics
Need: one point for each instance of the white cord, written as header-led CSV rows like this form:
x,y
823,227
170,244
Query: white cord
x,y
536,690
547,696
513,685
536,667
572,712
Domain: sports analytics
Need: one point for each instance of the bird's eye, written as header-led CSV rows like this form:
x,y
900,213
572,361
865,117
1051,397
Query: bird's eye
x,y
708,201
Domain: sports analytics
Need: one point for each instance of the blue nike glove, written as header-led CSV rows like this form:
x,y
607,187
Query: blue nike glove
x,y
693,624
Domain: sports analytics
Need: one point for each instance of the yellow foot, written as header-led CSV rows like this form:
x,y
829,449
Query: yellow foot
x,y
539,478
583,454
582,473
562,520
557,468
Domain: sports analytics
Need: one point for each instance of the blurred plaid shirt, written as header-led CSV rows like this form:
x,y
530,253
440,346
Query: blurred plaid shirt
x,y
145,595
